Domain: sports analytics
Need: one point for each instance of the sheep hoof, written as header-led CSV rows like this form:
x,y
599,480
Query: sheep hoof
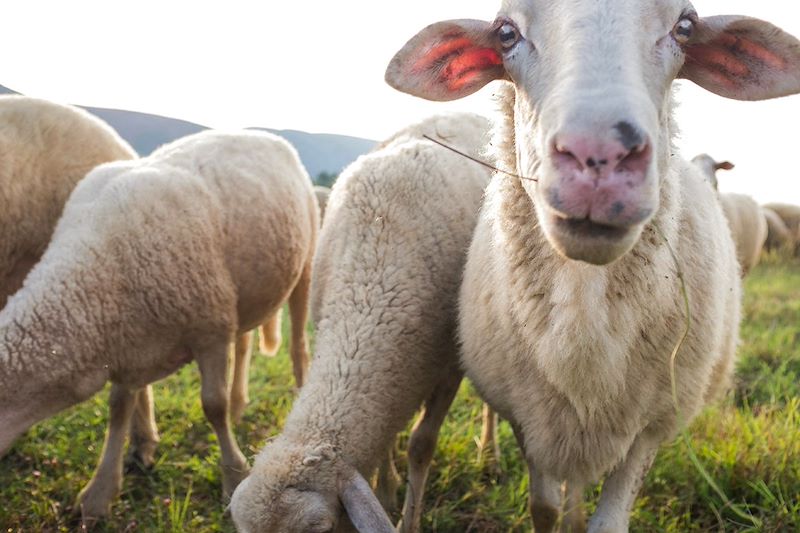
x,y
141,456
92,506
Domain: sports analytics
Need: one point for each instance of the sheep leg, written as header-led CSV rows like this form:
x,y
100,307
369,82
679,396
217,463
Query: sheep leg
x,y
574,517
94,501
545,501
421,446
213,364
270,339
241,371
144,432
545,492
621,487
489,447
388,481
298,310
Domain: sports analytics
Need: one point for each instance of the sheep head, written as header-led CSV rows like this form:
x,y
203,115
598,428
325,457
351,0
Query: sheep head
x,y
592,98
305,489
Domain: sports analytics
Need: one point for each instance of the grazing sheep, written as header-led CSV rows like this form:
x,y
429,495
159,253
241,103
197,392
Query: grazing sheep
x,y
270,342
386,279
322,194
778,234
152,266
790,214
571,303
45,148
745,217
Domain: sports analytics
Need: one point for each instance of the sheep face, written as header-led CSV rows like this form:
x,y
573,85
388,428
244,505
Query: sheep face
x,y
302,489
592,98
290,489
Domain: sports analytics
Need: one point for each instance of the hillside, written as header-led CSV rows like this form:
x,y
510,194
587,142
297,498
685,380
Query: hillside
x,y
320,152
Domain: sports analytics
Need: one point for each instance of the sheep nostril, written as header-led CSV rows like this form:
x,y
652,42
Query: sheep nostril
x,y
564,158
637,159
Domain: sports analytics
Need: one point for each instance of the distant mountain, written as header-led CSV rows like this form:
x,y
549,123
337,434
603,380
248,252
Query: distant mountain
x,y
145,132
320,152
325,152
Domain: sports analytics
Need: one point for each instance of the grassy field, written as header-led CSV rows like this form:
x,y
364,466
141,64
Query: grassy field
x,y
749,444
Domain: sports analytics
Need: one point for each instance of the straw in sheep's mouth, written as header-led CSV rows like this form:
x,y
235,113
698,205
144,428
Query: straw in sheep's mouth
x,y
587,228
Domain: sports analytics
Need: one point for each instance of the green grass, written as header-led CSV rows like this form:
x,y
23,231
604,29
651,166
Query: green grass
x,y
749,443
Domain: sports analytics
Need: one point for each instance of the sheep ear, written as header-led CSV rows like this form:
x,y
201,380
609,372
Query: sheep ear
x,y
743,58
363,508
725,165
447,61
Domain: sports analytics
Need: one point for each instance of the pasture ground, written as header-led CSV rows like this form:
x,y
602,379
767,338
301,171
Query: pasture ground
x,y
749,444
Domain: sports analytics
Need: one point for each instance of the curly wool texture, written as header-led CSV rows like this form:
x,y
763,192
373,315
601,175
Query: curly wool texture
x,y
577,356
386,277
153,261
45,149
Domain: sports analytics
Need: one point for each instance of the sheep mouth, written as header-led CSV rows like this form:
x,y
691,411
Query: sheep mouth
x,y
585,228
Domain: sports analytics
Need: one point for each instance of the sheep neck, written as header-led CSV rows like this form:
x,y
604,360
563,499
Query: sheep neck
x,y
44,338
580,354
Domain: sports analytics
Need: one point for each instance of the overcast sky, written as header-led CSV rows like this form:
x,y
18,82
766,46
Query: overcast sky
x,y
318,65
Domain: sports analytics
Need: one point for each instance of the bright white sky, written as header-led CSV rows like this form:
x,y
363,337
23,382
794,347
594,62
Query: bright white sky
x,y
317,65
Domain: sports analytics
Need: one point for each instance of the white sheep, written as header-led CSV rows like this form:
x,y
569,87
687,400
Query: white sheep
x,y
745,217
778,234
709,167
571,303
155,263
269,341
45,148
790,214
386,277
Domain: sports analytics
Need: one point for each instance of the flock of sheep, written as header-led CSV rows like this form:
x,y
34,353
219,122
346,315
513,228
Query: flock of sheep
x,y
555,283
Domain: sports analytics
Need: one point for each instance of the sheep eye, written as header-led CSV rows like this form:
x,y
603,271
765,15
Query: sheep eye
x,y
683,30
508,35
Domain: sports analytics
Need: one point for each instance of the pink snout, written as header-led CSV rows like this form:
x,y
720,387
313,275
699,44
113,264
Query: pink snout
x,y
602,179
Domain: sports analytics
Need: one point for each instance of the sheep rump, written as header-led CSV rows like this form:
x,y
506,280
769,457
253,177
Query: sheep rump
x,y
155,263
45,149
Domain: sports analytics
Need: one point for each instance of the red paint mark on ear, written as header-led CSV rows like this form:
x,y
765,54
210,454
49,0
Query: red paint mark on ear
x,y
713,58
741,46
472,60
456,84
441,52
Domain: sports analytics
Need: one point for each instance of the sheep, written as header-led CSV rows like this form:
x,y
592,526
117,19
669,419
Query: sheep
x,y
322,194
571,303
790,214
151,266
45,148
778,234
270,342
386,277
745,217
748,226
709,167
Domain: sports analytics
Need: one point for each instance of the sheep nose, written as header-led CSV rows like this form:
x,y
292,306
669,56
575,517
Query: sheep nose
x,y
626,149
601,177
